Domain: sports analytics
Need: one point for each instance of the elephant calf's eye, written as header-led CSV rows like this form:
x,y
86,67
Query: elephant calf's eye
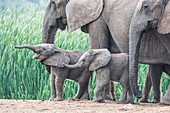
x,y
83,60
146,8
44,48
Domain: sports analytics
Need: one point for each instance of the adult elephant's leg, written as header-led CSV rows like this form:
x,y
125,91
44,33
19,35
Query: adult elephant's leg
x,y
147,87
99,34
166,98
99,38
166,69
156,72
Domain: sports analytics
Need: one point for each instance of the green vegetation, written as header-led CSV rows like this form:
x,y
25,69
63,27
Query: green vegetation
x,y
21,77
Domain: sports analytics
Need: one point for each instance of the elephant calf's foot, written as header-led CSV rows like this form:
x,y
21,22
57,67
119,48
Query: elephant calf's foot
x,y
74,99
108,97
51,98
58,99
143,100
122,102
85,97
100,101
131,101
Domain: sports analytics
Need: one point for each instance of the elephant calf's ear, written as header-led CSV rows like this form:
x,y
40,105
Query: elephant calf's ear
x,y
58,59
103,57
164,26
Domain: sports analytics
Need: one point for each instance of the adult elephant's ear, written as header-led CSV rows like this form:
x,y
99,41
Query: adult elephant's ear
x,y
102,58
82,12
58,59
164,26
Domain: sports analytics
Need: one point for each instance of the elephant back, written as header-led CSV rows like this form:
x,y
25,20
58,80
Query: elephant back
x,y
82,12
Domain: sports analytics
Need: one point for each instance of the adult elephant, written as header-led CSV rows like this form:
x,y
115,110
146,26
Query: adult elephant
x,y
150,25
104,20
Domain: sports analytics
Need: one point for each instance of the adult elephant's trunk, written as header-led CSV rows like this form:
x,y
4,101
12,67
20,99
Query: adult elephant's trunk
x,y
33,48
72,66
134,46
49,31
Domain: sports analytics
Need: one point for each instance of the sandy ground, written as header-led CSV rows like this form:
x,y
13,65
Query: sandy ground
x,y
70,106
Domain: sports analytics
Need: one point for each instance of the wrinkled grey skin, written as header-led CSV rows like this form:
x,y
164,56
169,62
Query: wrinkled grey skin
x,y
166,98
143,32
110,30
116,69
55,57
154,72
104,31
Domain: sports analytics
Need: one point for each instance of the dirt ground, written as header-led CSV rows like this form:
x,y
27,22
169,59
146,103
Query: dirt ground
x,y
70,106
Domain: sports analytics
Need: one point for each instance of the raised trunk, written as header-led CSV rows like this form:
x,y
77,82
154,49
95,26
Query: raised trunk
x,y
134,46
26,46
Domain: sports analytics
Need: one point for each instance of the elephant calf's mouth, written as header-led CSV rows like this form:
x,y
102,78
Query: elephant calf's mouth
x,y
36,56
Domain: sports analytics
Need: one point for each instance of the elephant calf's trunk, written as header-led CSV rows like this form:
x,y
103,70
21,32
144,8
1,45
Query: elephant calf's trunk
x,y
72,66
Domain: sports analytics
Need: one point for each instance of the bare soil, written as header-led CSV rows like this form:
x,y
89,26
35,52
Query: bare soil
x,y
70,106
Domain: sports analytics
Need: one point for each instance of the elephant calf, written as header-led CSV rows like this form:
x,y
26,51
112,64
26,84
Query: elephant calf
x,y
55,58
108,67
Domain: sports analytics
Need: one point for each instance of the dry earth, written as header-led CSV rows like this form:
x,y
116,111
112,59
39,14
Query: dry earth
x,y
70,106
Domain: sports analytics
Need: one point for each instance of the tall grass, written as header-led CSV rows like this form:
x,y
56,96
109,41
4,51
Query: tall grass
x,y
21,77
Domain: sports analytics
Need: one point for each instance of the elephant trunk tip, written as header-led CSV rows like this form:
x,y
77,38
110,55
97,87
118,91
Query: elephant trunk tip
x,y
17,47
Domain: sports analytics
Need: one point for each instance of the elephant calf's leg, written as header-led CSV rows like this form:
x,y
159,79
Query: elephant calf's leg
x,y
103,80
59,89
83,85
85,95
112,90
52,86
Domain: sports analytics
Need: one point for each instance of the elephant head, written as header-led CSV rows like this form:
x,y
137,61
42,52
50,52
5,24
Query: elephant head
x,y
148,15
54,18
93,59
73,14
48,54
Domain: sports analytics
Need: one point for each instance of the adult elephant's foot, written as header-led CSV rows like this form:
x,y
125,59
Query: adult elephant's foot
x,y
58,99
131,101
165,100
143,100
139,94
156,101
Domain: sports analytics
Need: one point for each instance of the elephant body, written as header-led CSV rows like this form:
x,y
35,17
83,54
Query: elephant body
x,y
108,67
117,71
149,34
108,28
55,58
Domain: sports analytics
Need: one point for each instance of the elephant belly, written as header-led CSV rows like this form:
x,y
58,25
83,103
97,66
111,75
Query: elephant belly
x,y
117,14
153,50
